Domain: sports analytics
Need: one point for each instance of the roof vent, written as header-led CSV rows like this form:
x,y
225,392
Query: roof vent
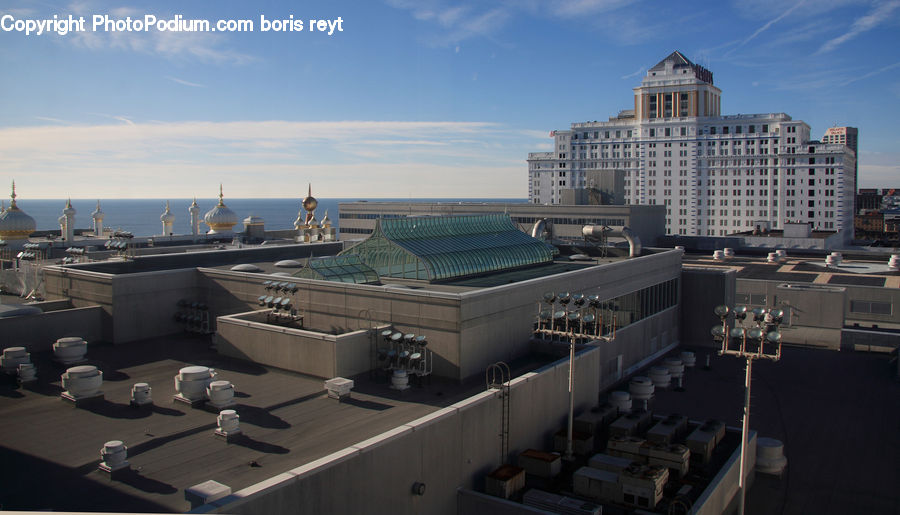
x,y
621,401
770,456
689,359
660,376
13,357
27,373
221,394
81,383
229,424
113,455
641,388
894,262
191,383
70,350
140,395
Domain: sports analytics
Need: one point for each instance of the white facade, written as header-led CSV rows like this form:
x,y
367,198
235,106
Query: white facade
x,y
715,174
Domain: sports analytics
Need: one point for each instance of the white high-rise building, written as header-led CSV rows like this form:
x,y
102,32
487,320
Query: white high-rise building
x,y
716,175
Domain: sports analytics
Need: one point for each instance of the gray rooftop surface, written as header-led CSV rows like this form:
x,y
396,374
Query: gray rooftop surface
x,y
50,449
836,412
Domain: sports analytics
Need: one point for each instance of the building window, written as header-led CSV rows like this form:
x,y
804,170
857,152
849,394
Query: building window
x,y
870,307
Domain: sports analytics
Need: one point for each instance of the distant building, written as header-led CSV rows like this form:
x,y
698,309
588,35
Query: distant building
x,y
868,199
715,174
845,136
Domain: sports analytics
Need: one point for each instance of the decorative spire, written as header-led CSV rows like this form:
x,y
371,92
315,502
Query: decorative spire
x,y
221,196
309,191
69,203
167,206
194,203
12,203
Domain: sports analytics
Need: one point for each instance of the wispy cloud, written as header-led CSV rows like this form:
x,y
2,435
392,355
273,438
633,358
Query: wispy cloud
x,y
52,120
881,13
639,71
574,8
871,73
185,83
766,27
196,46
162,159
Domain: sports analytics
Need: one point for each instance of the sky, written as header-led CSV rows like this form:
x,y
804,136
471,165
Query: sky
x,y
410,98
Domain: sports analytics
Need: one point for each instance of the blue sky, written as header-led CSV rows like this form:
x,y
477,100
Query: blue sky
x,y
414,98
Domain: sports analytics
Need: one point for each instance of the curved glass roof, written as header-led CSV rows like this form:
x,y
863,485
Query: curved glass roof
x,y
445,247
344,268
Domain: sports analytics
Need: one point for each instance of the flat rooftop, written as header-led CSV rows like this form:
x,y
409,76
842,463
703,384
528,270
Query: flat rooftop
x,y
851,272
464,284
835,412
287,420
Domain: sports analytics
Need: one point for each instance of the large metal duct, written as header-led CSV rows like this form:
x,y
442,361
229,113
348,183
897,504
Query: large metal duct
x,y
598,232
540,227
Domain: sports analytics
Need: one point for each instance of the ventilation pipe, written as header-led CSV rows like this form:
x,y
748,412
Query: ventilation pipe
x,y
540,227
597,232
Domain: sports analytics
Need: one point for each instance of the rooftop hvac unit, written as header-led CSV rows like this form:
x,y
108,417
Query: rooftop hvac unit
x,y
703,440
560,504
631,424
668,429
611,463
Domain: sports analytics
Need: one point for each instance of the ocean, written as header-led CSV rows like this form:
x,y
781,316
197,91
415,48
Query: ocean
x,y
141,216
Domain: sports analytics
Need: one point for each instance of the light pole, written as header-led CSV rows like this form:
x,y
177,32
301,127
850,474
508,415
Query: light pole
x,y
763,329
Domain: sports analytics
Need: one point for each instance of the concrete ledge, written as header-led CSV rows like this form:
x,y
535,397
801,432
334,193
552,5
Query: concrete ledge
x,y
383,438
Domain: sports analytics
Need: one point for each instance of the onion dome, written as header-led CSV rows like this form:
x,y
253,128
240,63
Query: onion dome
x,y
69,210
298,223
310,202
167,217
98,213
326,222
14,223
220,218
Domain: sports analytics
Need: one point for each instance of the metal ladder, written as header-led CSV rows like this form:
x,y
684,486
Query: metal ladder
x,y
497,376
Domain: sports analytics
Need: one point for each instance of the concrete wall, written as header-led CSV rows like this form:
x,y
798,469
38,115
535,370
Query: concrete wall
x,y
40,331
343,307
870,340
721,495
247,336
805,305
466,331
702,289
453,447
135,306
496,323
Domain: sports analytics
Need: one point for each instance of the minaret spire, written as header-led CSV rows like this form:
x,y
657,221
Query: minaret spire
x,y
12,203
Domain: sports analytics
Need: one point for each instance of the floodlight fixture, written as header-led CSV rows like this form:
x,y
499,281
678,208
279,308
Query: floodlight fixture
x,y
564,298
759,314
740,312
722,311
718,332
578,299
549,297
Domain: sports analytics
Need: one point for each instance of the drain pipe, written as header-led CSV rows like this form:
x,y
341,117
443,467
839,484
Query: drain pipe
x,y
598,232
